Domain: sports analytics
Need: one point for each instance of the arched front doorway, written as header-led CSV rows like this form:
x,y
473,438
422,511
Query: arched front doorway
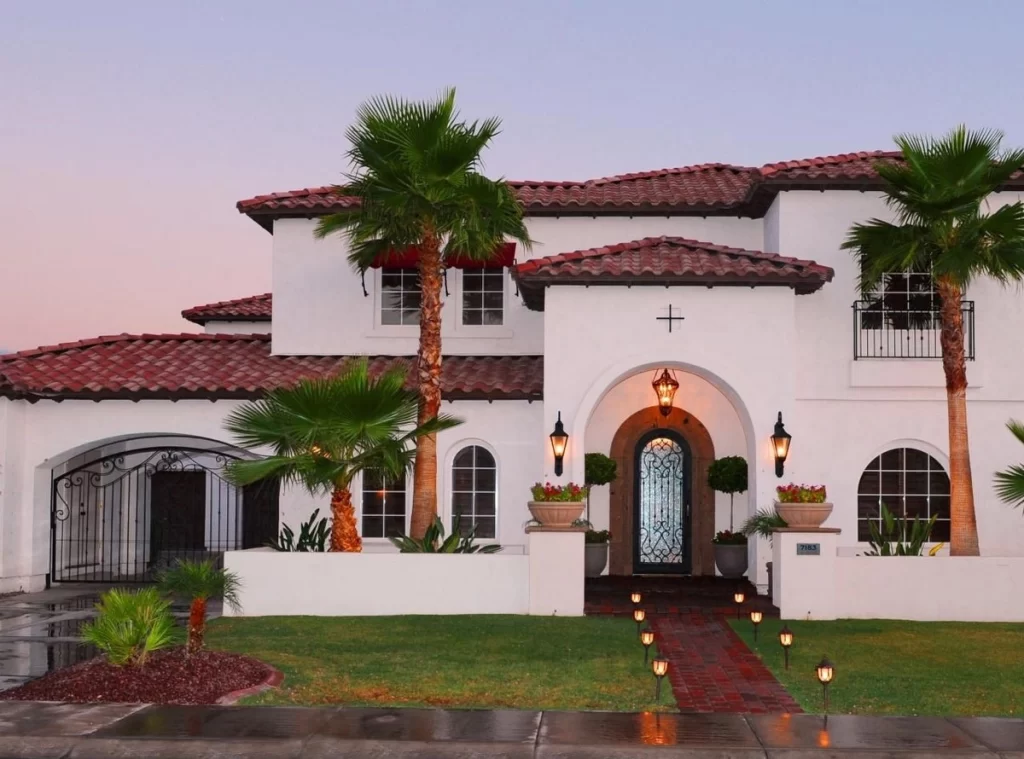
x,y
662,482
661,509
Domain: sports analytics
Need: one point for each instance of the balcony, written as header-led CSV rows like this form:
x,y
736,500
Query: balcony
x,y
882,333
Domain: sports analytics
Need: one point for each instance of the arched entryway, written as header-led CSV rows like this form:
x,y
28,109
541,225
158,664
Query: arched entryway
x,y
662,511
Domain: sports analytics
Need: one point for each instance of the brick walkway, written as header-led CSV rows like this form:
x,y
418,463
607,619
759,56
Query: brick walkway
x,y
711,670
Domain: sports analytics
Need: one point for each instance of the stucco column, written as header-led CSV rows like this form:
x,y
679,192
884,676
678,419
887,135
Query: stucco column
x,y
556,571
804,572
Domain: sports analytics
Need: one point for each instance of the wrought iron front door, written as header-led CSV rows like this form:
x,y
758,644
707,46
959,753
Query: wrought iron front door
x,y
661,504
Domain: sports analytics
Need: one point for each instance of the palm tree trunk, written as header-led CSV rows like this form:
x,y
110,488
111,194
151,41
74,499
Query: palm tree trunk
x,y
964,525
196,626
344,534
428,378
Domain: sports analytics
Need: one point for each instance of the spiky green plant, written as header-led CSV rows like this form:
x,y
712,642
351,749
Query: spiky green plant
x,y
1010,482
943,226
131,625
899,536
764,523
434,541
313,535
416,171
198,582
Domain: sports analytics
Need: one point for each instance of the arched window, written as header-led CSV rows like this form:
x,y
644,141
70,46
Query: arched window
x,y
474,488
911,484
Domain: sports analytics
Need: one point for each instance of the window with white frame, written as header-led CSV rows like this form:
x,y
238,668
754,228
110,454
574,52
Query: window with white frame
x,y
483,297
474,491
383,505
911,484
902,300
399,297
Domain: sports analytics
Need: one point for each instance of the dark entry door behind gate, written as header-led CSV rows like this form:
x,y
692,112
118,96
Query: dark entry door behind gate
x,y
177,502
661,504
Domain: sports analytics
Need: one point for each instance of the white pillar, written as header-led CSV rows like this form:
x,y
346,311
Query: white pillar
x,y
804,572
556,571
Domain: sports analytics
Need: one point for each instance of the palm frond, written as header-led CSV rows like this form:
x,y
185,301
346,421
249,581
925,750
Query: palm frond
x,y
1009,484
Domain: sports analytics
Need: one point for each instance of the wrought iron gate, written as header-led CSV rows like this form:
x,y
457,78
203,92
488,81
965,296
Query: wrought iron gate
x,y
661,504
124,517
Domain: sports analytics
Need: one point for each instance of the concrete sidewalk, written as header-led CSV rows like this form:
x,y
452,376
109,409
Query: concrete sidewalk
x,y
55,731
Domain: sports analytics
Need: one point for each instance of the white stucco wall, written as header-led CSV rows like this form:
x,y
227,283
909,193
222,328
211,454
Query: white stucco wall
x,y
36,438
236,328
319,307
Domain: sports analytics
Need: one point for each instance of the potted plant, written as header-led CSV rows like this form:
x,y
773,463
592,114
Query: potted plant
x,y
728,475
557,505
596,551
731,553
598,470
802,505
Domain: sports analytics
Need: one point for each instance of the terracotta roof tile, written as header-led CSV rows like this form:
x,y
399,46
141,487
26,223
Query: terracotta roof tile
x,y
844,166
255,308
667,261
180,366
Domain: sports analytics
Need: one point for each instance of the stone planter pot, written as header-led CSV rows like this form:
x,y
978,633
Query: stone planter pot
x,y
556,513
595,559
731,560
804,514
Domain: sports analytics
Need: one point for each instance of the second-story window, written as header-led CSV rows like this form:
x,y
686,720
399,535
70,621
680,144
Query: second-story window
x,y
483,297
399,296
902,300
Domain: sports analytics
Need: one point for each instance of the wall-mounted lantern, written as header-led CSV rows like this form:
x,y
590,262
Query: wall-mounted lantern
x,y
780,445
559,441
665,387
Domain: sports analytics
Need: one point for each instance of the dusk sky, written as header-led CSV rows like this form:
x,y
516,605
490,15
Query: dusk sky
x,y
128,130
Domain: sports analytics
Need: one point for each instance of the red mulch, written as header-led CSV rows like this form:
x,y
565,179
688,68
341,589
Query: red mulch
x,y
167,678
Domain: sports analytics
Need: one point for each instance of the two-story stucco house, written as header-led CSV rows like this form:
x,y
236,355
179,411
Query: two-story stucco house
x,y
730,277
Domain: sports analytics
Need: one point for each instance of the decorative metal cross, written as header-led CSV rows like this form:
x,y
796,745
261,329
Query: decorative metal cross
x,y
670,318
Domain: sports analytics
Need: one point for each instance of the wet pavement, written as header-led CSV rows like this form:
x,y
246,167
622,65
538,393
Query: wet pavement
x,y
41,632
58,730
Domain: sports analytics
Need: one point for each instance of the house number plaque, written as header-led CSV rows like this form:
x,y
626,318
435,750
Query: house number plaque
x,y
808,549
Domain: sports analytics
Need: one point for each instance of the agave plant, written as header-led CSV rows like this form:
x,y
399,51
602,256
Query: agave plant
x,y
899,536
434,541
199,581
131,625
313,536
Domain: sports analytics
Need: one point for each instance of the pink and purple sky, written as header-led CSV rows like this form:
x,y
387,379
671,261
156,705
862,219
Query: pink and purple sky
x,y
128,130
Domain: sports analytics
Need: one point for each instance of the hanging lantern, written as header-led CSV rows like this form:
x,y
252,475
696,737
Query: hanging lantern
x,y
665,388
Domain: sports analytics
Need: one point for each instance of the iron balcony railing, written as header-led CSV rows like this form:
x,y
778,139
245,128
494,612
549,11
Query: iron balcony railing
x,y
880,332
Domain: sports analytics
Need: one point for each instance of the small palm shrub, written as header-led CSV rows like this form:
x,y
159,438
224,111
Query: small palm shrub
x,y
313,536
199,581
763,524
131,625
434,541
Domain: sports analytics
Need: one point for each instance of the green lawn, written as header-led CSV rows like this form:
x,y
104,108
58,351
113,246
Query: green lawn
x,y
472,661
893,667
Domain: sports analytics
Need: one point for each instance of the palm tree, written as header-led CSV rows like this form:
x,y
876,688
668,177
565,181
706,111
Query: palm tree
x,y
1010,483
416,170
199,581
323,432
937,194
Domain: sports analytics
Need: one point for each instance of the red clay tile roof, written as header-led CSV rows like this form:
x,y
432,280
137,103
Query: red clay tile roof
x,y
707,189
667,261
255,308
176,367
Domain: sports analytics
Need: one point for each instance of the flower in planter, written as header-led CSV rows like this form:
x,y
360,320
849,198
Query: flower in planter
x,y
793,493
730,538
547,492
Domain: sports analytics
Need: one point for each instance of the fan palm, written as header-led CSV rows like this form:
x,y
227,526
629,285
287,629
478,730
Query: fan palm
x,y
1010,483
937,195
416,170
323,432
199,581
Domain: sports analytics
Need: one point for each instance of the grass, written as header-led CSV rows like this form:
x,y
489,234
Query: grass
x,y
450,661
895,667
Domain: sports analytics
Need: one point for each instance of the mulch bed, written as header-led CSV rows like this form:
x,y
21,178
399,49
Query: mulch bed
x,y
167,678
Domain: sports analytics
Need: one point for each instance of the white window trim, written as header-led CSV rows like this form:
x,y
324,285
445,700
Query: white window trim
x,y
357,499
480,330
447,512
390,330
921,445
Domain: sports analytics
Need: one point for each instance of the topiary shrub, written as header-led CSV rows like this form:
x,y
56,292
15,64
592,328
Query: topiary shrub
x,y
598,469
728,475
